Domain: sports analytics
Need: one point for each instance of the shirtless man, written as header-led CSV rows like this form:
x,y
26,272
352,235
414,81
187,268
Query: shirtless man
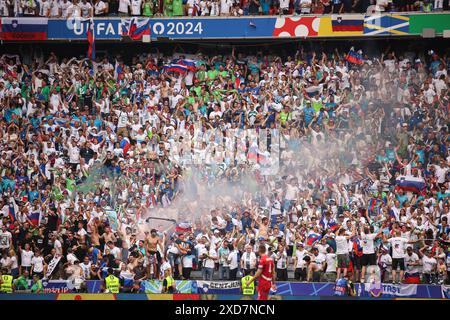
x,y
152,243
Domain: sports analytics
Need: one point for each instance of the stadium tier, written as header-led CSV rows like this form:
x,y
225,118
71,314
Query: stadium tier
x,y
270,157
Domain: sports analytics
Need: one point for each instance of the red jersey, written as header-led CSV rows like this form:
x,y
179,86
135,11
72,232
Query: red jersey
x,y
268,266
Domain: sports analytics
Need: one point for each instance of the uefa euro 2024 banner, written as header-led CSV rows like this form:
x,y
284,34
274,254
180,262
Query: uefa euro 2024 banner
x,y
115,28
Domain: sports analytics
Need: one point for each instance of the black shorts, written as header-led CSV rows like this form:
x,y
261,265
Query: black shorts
x,y
357,262
369,259
290,250
398,262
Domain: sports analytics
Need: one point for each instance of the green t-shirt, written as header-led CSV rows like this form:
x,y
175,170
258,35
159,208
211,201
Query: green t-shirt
x,y
21,283
147,10
37,286
177,7
212,74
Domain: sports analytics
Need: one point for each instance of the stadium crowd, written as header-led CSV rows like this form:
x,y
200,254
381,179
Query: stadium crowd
x,y
90,154
176,8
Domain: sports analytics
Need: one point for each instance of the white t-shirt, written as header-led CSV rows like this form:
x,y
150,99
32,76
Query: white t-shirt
x,y
249,260
136,7
5,239
233,259
367,243
428,264
398,245
209,263
409,259
38,263
26,258
341,245
123,6
330,259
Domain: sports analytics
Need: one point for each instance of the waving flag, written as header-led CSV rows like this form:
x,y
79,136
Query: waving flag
x,y
90,33
175,68
354,57
13,208
125,145
118,70
183,227
188,63
35,218
312,238
411,183
135,28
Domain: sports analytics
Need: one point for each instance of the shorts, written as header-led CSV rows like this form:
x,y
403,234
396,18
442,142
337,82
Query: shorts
x,y
357,262
369,259
343,260
398,262
263,289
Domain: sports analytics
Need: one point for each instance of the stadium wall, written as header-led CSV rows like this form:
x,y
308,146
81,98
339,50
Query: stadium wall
x,y
187,289
210,28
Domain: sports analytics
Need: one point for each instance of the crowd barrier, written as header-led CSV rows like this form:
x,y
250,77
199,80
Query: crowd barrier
x,y
156,29
193,289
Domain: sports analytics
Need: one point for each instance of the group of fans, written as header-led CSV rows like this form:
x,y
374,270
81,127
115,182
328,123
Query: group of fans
x,y
158,165
169,8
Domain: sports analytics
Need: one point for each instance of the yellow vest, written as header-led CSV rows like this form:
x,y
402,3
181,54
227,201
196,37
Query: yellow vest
x,y
250,289
112,284
6,286
170,282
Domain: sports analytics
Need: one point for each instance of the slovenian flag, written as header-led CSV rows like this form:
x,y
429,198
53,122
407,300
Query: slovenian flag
x,y
183,227
354,57
312,238
411,183
172,67
118,70
13,208
125,145
24,29
346,23
135,28
35,218
188,63
412,278
91,39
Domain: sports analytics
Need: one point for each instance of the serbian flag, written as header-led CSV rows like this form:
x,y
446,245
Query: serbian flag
x,y
183,227
90,33
312,238
35,218
24,29
354,57
411,183
412,278
125,145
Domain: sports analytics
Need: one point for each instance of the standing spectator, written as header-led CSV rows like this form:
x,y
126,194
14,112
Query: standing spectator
x,y
224,268
136,6
65,5
100,8
124,8
253,8
86,9
284,7
55,9
225,7
44,8
209,257
338,6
